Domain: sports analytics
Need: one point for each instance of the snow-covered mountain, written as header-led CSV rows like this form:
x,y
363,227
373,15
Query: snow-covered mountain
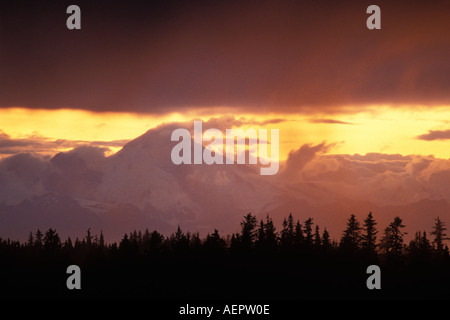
x,y
139,187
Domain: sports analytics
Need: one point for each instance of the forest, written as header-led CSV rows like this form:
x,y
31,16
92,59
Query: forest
x,y
299,261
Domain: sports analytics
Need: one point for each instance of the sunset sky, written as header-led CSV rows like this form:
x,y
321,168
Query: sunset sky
x,y
380,129
363,115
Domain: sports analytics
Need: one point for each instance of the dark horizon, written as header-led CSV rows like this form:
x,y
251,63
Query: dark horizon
x,y
258,251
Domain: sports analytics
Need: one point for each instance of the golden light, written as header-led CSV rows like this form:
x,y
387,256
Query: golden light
x,y
382,129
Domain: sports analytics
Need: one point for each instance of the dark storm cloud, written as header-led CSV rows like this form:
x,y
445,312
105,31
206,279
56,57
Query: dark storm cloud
x,y
435,135
160,56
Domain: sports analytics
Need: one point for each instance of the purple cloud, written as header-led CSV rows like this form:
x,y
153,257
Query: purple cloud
x,y
435,135
329,121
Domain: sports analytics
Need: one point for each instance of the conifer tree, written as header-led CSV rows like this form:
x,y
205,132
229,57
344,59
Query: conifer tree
x,y
439,235
88,238
270,233
369,237
326,244
351,237
38,241
101,240
267,235
298,235
287,233
51,240
248,231
154,241
195,241
261,234
214,242
393,240
307,229
317,239
68,244
30,240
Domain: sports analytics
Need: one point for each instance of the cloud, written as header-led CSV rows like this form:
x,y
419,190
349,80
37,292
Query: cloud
x,y
299,158
21,177
383,179
257,56
329,121
37,144
435,135
242,121
222,123
8,143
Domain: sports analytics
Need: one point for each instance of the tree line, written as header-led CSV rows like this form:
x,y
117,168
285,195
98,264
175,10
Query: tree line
x,y
358,239
296,260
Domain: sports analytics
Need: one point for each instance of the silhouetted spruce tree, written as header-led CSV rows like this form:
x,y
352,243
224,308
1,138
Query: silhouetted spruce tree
x,y
68,244
78,244
270,234
113,248
188,238
154,242
196,242
298,235
369,237
101,241
317,239
287,233
419,248
88,238
178,235
125,245
179,241
146,235
95,240
261,239
446,251
30,241
351,238
134,238
307,229
326,244
52,242
267,236
248,232
393,242
235,245
38,241
439,235
425,245
215,243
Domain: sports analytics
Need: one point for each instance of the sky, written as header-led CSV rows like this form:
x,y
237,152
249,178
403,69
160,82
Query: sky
x,y
381,129
315,66
308,68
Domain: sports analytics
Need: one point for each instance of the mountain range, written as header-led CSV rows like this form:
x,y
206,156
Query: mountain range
x,y
139,187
